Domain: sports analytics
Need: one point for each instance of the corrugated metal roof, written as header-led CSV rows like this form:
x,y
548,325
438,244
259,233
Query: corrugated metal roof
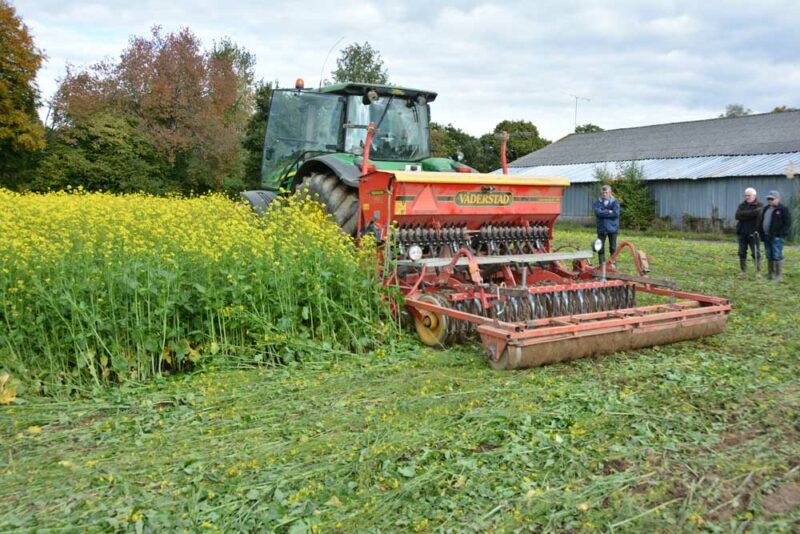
x,y
676,168
768,133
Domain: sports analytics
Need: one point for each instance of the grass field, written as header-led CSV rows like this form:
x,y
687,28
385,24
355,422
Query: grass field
x,y
702,435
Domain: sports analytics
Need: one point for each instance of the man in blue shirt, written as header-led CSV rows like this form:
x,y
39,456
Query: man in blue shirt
x,y
774,224
606,209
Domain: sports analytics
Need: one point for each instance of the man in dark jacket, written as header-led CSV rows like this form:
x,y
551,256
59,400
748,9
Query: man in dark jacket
x,y
774,224
747,217
606,209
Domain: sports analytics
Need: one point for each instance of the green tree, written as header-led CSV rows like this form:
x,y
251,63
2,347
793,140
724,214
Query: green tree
x,y
21,131
524,139
781,109
587,128
735,110
447,141
629,186
191,105
103,152
360,63
255,131
794,207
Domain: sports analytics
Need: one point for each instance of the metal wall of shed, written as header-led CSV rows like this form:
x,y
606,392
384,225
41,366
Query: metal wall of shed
x,y
578,200
714,197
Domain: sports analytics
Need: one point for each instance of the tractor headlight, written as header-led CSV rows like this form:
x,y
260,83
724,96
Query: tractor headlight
x,y
415,252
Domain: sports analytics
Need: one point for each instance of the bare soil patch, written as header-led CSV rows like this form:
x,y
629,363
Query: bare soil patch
x,y
783,500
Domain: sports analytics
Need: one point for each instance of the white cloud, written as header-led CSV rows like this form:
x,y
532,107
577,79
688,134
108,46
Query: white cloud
x,y
674,27
638,63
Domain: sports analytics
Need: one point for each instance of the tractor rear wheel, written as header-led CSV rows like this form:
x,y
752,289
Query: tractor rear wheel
x,y
340,200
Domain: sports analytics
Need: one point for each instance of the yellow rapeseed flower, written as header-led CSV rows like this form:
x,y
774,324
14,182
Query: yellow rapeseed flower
x,y
139,264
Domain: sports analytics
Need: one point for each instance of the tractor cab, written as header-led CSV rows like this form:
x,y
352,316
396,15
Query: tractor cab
x,y
331,121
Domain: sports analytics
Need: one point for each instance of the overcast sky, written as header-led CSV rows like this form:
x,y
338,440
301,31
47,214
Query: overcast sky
x,y
637,63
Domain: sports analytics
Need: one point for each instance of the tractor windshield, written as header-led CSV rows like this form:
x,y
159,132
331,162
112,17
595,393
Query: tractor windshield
x,y
402,128
299,122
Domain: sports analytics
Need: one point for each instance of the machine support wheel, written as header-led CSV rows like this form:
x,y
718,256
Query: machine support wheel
x,y
340,200
433,328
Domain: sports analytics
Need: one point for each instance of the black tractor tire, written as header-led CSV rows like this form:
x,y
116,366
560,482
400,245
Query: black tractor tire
x,y
340,200
259,200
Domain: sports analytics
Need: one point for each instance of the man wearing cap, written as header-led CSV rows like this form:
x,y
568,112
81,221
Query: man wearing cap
x,y
773,224
606,210
747,218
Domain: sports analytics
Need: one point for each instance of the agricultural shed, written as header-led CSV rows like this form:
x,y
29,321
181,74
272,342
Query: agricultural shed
x,y
697,171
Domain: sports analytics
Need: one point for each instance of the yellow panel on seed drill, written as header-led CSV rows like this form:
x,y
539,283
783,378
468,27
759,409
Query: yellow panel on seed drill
x,y
479,178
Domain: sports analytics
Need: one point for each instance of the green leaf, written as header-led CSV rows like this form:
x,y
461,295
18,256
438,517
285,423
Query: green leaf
x,y
299,527
408,471
118,363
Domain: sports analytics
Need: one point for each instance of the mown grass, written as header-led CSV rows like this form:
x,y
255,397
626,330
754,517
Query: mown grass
x,y
697,435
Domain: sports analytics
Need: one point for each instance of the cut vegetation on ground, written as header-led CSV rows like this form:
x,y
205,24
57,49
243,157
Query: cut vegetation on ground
x,y
702,434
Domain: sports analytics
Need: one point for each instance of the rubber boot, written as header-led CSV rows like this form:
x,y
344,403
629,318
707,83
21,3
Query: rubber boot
x,y
742,266
778,275
770,269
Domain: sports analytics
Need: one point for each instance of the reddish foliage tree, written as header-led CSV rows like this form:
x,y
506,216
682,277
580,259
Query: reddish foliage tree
x,y
192,105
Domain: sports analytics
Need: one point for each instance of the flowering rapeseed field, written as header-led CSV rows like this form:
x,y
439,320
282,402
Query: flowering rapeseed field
x,y
97,287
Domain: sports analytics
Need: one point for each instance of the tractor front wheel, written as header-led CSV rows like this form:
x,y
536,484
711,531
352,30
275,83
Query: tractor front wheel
x,y
340,200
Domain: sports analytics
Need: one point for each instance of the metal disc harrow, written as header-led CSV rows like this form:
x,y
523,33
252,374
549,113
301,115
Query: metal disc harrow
x,y
517,305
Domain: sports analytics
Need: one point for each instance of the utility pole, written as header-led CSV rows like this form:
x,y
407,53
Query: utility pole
x,y
576,97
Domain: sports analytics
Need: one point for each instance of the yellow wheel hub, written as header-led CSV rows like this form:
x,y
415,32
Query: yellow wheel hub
x,y
431,326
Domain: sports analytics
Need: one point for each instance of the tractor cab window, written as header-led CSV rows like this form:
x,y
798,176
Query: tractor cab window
x,y
299,122
402,128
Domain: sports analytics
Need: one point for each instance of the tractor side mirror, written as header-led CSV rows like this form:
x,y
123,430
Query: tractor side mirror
x,y
458,156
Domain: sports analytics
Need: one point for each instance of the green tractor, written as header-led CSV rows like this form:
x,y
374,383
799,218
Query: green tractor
x,y
316,138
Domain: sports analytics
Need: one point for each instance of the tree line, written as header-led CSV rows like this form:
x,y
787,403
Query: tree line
x,y
166,116
172,116
169,116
